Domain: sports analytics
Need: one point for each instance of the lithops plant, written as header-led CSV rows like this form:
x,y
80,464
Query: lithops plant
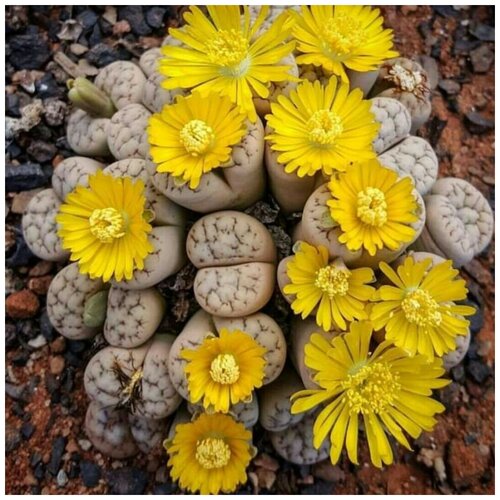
x,y
117,86
237,184
235,256
460,222
404,154
69,295
109,431
295,443
300,335
40,226
274,411
318,228
406,81
132,316
118,434
262,328
136,379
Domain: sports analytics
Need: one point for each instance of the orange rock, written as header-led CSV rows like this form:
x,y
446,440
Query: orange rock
x,y
23,304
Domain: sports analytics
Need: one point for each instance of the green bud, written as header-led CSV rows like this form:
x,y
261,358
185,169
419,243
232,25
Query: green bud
x,y
87,96
94,312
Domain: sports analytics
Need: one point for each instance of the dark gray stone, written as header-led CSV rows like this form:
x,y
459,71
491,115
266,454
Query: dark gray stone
x,y
478,371
127,481
155,15
477,123
24,177
482,31
134,14
28,51
450,87
58,446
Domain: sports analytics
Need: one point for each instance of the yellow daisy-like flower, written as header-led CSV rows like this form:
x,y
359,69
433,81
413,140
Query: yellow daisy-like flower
x,y
104,227
224,370
418,312
373,206
210,455
322,128
342,36
389,390
195,135
220,54
340,293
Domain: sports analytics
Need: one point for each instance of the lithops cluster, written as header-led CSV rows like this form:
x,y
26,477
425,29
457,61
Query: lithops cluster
x,y
131,395
40,227
318,228
236,185
235,256
144,378
460,222
261,327
396,149
103,122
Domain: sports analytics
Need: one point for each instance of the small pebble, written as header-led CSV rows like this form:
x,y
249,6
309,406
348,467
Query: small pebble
x,y
85,444
482,58
56,364
38,342
40,285
62,478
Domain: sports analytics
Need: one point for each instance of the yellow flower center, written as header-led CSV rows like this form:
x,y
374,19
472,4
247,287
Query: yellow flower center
x,y
420,308
224,369
343,35
370,388
197,137
324,127
229,48
372,207
212,453
333,280
107,224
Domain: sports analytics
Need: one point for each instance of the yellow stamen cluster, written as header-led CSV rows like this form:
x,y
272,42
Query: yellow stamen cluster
x,y
227,48
371,388
343,34
224,369
212,453
197,137
420,308
107,224
324,127
372,207
333,280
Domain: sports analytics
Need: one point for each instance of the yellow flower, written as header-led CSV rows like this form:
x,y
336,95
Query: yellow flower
x,y
341,36
322,128
340,292
388,389
418,313
210,454
373,207
224,370
104,227
220,54
195,135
